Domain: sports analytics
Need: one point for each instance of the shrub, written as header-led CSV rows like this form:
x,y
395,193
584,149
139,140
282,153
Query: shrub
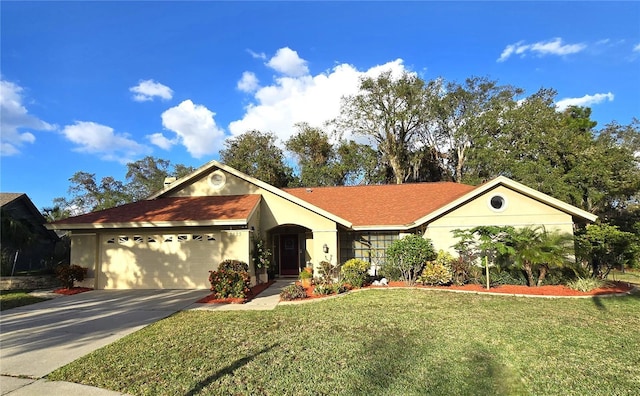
x,y
234,265
585,284
389,271
355,272
326,289
438,271
409,255
435,273
460,271
506,278
328,272
226,283
293,292
69,274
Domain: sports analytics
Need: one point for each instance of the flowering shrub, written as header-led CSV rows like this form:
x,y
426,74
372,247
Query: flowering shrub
x,y
355,272
69,274
234,265
228,283
293,292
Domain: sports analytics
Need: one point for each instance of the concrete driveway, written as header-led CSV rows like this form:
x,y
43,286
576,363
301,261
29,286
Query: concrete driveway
x,y
37,339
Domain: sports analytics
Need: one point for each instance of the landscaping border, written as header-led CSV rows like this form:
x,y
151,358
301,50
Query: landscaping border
x,y
633,290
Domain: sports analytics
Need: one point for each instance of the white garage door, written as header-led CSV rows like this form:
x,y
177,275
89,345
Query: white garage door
x,y
153,261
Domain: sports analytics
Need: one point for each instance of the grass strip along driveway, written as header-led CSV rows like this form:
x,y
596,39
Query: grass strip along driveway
x,y
400,342
17,298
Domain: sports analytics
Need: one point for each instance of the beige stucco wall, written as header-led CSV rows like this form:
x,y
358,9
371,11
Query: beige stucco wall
x,y
274,211
520,211
83,253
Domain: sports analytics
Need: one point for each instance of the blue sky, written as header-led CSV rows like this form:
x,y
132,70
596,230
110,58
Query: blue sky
x,y
91,85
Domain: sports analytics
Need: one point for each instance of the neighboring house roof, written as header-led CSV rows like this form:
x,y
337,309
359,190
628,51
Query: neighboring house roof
x,y
169,211
20,207
6,198
382,206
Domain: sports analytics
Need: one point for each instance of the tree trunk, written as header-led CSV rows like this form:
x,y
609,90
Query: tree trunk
x,y
529,272
543,273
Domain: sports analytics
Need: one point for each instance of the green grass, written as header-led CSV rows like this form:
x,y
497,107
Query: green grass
x,y
396,342
17,298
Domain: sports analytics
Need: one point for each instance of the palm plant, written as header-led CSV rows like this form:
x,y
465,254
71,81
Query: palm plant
x,y
538,250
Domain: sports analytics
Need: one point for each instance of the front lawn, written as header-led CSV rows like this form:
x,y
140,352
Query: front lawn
x,y
17,298
381,342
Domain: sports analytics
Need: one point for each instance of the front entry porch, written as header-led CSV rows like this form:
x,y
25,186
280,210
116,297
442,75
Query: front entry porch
x,y
290,246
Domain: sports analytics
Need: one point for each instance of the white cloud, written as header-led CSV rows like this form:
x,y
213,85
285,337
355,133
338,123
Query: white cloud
x,y
248,83
161,141
636,48
195,128
147,90
287,62
94,138
585,101
257,55
15,117
312,99
541,48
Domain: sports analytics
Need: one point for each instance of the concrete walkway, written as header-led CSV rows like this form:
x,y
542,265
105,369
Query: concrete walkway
x,y
39,338
265,301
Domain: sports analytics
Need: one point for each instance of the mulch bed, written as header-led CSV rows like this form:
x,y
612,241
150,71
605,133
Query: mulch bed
x,y
254,291
72,291
556,291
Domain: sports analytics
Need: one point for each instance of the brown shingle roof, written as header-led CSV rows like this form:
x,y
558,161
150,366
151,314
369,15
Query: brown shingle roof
x,y
232,207
6,198
382,205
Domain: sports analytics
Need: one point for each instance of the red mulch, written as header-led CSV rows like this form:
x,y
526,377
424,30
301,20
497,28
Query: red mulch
x,y
254,291
72,291
558,291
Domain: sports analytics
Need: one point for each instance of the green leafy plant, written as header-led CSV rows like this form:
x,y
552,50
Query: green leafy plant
x,y
326,289
389,271
69,274
305,275
293,292
261,255
585,284
355,272
408,255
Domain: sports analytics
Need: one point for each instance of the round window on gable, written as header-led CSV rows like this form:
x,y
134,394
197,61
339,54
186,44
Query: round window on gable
x,y
497,203
217,179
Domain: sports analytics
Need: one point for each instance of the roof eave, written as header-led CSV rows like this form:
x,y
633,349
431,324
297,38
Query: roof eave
x,y
147,224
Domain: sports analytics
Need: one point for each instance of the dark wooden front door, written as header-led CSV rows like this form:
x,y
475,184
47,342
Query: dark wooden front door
x,y
289,254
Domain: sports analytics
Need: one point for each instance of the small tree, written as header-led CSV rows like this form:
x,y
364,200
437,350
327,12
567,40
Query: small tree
x,y
604,247
489,243
409,256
